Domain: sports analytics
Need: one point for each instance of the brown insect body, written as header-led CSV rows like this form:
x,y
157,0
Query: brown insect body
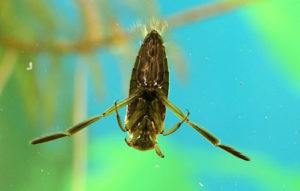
x,y
146,114
147,102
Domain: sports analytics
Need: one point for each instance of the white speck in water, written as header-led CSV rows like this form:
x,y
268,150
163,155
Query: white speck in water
x,y
266,117
42,170
29,67
200,184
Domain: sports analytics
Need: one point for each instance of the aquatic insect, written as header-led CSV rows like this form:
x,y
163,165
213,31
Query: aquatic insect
x,y
146,104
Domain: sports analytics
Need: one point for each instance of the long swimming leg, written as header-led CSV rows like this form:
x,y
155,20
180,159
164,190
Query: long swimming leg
x,y
85,123
215,141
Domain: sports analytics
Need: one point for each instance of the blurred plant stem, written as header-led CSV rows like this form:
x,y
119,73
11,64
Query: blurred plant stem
x,y
92,33
91,20
7,65
96,40
206,11
80,139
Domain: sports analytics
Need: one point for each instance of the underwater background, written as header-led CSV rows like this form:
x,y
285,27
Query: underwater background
x,y
235,65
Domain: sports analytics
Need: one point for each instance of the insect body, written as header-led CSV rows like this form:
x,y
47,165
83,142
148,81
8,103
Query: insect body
x,y
146,114
147,103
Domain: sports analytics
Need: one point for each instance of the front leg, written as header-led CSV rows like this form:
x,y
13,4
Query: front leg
x,y
176,126
158,151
